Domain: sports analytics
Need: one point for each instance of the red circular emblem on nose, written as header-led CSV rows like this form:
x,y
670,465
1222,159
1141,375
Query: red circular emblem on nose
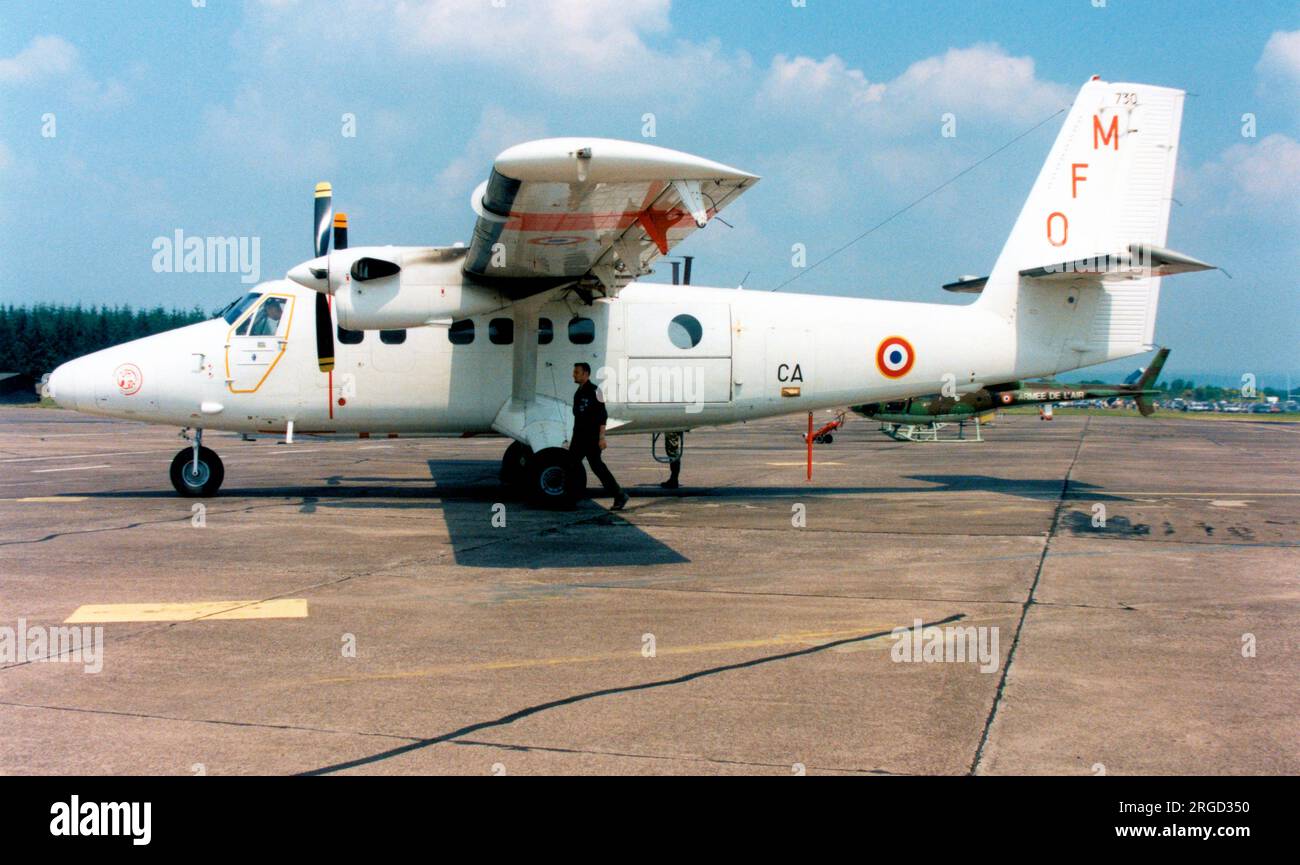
x,y
129,379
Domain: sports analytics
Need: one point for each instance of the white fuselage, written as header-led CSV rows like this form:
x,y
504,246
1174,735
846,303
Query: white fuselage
x,y
754,354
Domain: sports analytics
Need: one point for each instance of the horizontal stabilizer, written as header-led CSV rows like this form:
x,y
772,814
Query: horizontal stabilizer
x,y
1141,260
967,285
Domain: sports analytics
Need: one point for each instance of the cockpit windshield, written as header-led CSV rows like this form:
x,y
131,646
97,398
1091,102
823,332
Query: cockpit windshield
x,y
238,306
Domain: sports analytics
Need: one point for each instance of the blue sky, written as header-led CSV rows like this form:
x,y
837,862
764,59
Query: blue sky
x,y
218,120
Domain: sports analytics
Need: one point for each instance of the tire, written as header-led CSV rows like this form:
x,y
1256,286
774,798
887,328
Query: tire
x,y
556,480
210,475
514,464
827,439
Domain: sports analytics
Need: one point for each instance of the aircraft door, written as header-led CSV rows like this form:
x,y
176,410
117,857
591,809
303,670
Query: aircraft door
x,y
256,343
678,353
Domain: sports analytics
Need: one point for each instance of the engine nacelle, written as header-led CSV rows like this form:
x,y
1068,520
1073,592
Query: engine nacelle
x,y
395,287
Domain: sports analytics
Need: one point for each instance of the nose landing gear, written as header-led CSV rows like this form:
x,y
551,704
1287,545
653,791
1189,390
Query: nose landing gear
x,y
196,471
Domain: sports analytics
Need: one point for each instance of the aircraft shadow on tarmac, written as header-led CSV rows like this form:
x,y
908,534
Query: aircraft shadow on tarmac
x,y
467,493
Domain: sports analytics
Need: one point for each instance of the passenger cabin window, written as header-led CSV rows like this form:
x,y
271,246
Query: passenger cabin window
x,y
350,337
392,337
545,331
501,331
685,331
461,332
582,331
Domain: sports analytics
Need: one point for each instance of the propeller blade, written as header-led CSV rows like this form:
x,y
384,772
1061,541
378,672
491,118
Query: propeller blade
x,y
324,216
340,230
324,323
324,334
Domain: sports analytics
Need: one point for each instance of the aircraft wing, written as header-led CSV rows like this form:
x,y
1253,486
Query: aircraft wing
x,y
564,208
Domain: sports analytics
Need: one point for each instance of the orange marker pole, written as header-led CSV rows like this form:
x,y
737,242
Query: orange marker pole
x,y
810,440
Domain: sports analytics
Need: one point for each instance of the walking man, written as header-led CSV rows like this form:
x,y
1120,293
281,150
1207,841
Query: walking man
x,y
588,438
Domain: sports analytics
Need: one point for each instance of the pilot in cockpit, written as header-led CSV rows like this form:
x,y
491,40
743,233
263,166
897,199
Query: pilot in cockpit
x,y
267,320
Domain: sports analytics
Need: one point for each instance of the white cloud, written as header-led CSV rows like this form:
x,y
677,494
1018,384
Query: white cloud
x,y
804,80
593,47
1267,171
257,133
53,60
1255,181
497,129
44,57
1282,55
980,83
1279,65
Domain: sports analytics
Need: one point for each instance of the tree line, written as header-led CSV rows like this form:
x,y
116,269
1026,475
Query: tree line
x,y
35,339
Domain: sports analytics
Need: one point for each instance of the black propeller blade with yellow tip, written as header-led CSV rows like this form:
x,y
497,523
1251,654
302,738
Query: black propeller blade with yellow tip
x,y
324,325
340,231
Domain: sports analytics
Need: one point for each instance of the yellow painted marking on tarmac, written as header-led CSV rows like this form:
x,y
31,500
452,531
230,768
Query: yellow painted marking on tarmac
x,y
801,638
55,499
280,608
71,469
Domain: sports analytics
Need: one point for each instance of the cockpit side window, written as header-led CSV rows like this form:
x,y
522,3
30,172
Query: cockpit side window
x,y
232,313
269,319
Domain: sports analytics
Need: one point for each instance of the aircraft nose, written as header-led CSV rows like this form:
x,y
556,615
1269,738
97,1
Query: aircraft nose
x,y
65,385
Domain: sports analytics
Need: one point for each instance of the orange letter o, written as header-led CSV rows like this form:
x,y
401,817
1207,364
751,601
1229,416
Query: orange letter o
x,y
1065,229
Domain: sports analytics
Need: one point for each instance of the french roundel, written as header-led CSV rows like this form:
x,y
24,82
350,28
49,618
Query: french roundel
x,y
894,357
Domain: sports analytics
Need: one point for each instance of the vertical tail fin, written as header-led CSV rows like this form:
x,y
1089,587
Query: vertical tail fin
x,y
1152,373
1107,185
1147,383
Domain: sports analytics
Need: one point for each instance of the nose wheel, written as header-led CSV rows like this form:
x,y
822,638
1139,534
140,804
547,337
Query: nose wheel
x,y
197,472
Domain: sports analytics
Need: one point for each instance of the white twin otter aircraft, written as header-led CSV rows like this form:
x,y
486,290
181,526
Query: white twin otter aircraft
x,y
482,339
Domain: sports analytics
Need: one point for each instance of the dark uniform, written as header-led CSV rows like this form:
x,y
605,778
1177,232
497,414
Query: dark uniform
x,y
588,417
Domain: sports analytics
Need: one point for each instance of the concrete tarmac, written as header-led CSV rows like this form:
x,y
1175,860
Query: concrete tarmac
x,y
358,607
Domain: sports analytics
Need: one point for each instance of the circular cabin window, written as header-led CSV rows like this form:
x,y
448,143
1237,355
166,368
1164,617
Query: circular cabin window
x,y
685,331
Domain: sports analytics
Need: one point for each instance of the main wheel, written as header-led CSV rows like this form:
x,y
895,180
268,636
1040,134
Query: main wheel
x,y
201,483
827,439
514,465
556,479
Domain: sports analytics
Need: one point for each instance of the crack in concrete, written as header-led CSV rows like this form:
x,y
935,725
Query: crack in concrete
x,y
538,708
1029,602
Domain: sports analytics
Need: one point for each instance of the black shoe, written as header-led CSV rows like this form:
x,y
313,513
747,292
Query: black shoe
x,y
619,501
670,484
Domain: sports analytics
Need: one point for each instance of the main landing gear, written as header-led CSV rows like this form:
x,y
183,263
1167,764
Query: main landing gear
x,y
551,477
197,472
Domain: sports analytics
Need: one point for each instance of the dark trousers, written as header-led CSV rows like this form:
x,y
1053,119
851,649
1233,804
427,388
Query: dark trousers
x,y
590,451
